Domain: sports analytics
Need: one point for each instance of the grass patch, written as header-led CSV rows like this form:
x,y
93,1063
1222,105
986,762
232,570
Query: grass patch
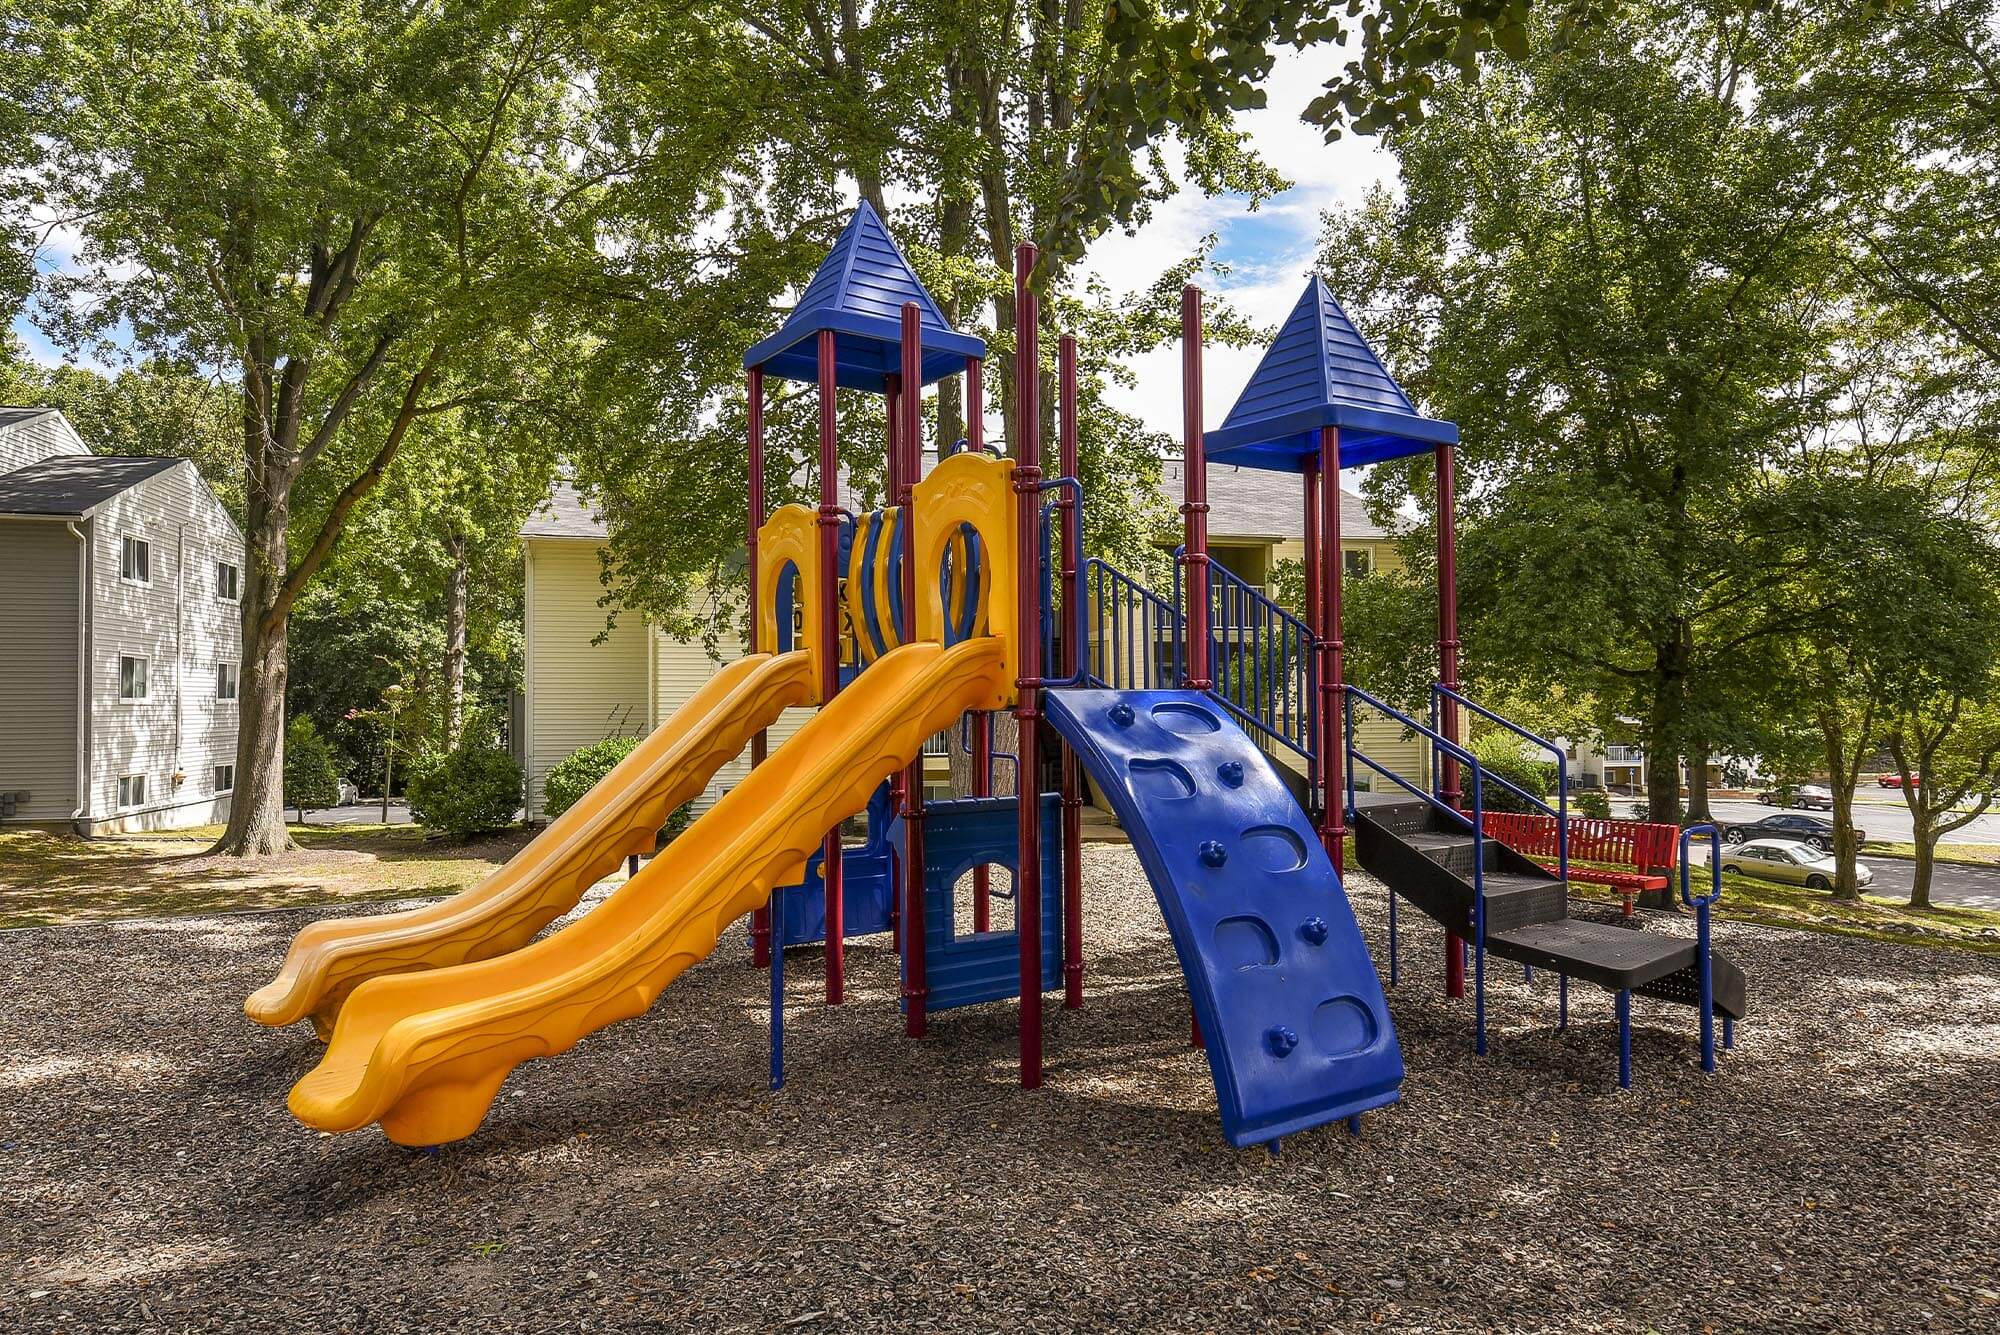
x,y
49,880
1963,855
1770,904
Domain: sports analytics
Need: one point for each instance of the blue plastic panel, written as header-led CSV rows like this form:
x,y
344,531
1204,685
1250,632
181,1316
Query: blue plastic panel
x,y
959,835
867,885
1297,1029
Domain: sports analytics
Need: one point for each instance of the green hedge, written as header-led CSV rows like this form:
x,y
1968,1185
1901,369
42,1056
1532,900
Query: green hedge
x,y
312,782
1508,756
470,791
583,769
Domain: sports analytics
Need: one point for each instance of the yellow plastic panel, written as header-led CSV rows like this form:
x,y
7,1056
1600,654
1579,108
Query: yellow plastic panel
x,y
790,536
621,816
978,490
426,1055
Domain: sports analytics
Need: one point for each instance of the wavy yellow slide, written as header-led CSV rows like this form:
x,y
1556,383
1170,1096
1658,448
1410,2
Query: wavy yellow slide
x,y
425,1054
622,815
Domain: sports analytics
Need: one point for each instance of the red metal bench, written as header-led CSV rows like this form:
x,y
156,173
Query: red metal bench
x,y
1649,849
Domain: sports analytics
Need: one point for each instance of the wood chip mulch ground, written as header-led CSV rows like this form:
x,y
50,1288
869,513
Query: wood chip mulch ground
x,y
1842,1172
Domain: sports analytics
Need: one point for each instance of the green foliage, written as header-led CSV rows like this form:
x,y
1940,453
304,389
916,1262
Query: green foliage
x,y
1594,803
578,772
312,782
472,790
1505,755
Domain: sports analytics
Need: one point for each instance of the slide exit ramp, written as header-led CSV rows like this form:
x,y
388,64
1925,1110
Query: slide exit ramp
x,y
1297,1029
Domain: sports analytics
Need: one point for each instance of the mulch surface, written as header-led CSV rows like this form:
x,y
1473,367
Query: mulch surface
x,y
1842,1172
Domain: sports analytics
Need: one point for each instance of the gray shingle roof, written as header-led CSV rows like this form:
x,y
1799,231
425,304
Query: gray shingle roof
x,y
1242,503
11,416
75,484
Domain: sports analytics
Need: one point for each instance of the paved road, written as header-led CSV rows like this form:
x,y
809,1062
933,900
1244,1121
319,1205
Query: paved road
x,y
1883,817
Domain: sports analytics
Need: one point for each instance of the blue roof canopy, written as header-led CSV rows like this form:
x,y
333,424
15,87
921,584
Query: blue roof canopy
x,y
1320,372
859,293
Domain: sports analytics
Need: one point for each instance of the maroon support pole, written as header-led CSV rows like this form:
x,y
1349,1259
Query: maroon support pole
x,y
760,921
892,423
1194,470
1332,693
910,436
1027,634
1072,778
1316,631
1447,563
982,721
829,651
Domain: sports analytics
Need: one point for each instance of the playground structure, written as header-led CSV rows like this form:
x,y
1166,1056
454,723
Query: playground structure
x,y
968,595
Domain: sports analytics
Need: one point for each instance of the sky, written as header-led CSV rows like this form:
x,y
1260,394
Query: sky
x,y
1269,252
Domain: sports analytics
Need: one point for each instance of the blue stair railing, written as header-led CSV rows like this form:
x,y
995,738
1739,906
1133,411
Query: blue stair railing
x,y
1261,655
1135,639
1705,960
1440,692
1480,774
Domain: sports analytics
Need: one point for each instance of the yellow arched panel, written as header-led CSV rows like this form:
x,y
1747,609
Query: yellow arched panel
x,y
790,535
978,490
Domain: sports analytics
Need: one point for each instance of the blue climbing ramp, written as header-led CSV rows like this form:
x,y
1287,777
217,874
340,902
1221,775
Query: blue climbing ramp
x,y
1297,1030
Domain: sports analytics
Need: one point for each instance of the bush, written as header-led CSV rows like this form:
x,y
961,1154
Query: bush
x,y
579,771
1507,756
583,769
470,791
1592,802
312,782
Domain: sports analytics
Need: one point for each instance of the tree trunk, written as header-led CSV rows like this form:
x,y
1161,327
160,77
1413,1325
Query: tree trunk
x,y
256,809
1663,741
1925,835
1697,762
455,600
1833,734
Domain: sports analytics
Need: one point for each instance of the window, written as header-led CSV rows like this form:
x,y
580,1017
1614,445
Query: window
x,y
225,681
1356,562
225,778
135,561
132,790
131,678
225,581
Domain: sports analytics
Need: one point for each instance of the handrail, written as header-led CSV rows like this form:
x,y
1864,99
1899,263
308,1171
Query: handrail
x,y
1561,812
1478,771
1705,962
1110,660
1277,699
1052,675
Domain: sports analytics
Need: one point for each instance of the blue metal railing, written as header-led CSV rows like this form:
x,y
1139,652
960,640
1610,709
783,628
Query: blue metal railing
x,y
1355,756
1137,646
1705,962
1262,659
1439,691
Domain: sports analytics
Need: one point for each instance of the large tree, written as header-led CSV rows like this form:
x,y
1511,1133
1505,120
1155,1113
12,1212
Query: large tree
x,y
1617,273
345,207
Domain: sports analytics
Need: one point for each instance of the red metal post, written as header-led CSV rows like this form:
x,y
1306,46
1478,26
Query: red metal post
x,y
1316,630
829,649
892,418
1072,777
760,921
982,721
1447,563
1194,471
910,436
1027,713
1332,692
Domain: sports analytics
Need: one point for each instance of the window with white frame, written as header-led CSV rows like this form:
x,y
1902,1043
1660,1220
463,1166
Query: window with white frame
x,y
226,581
225,778
132,677
132,790
225,681
135,560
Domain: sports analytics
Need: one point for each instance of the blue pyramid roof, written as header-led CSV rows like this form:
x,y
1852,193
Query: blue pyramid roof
x,y
859,293
1320,372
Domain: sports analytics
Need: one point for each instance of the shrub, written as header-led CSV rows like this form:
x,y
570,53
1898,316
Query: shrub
x,y
1592,802
1507,756
470,791
579,771
312,782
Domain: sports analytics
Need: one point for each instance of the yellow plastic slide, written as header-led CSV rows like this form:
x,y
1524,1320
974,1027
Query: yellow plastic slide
x,y
621,816
425,1054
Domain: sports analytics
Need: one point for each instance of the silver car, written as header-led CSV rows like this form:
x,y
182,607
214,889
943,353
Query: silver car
x,y
1788,861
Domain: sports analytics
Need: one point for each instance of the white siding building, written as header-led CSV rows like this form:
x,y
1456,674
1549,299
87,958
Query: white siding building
x,y
119,579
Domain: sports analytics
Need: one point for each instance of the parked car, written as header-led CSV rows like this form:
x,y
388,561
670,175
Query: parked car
x,y
1778,796
1788,861
1812,795
1814,830
1893,781
349,794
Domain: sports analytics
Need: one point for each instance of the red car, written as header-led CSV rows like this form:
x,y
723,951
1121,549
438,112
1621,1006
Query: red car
x,y
1892,781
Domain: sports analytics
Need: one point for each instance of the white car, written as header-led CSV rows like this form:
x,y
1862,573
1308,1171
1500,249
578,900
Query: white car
x,y
1788,861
